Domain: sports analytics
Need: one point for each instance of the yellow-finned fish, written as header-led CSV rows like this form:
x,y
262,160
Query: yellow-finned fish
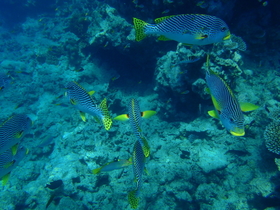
x,y
83,101
138,159
227,107
8,161
13,130
191,29
135,116
113,166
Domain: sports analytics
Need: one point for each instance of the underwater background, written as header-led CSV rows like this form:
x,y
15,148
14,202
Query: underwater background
x,y
194,162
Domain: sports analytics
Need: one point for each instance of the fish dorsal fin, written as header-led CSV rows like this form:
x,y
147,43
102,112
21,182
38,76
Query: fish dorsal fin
x,y
91,92
147,114
214,114
159,20
122,117
247,107
163,38
83,116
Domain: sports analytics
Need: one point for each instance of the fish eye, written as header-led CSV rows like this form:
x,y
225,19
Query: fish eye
x,y
231,120
223,29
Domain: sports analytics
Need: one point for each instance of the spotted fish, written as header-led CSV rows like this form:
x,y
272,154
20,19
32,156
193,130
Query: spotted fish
x,y
84,102
227,107
8,161
13,130
138,161
191,29
135,116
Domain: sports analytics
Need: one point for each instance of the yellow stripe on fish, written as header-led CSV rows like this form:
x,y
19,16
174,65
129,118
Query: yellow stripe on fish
x,y
84,102
191,29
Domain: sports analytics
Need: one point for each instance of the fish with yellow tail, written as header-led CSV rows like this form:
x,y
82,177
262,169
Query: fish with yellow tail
x,y
13,130
84,102
227,107
190,29
135,116
113,166
138,161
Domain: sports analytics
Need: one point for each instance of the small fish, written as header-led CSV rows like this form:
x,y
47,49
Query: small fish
x,y
227,108
46,141
139,6
190,59
115,77
113,166
9,161
169,100
106,44
138,159
191,29
84,102
134,117
61,104
265,3
79,70
5,81
13,130
19,105
23,72
165,11
185,92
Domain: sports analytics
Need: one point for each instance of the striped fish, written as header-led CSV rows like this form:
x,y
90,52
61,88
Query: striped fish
x,y
84,102
227,107
13,130
134,118
191,29
8,161
138,160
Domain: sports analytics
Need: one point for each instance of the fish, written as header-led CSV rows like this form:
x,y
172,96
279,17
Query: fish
x,y
9,161
138,162
84,102
13,130
227,107
113,166
190,29
134,116
5,81
190,59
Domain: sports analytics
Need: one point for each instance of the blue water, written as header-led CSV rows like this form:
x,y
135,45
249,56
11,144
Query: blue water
x,y
195,163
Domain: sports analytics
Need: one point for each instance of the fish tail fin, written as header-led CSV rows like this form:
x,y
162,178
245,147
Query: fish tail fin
x,y
107,121
133,199
147,114
96,171
139,26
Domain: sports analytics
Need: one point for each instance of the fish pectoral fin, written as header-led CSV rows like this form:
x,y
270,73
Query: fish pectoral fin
x,y
9,164
163,38
72,101
91,92
83,116
214,114
5,179
247,107
19,134
147,114
122,117
201,36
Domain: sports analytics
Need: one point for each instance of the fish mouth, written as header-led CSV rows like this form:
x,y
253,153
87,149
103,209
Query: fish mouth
x,y
238,132
227,36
